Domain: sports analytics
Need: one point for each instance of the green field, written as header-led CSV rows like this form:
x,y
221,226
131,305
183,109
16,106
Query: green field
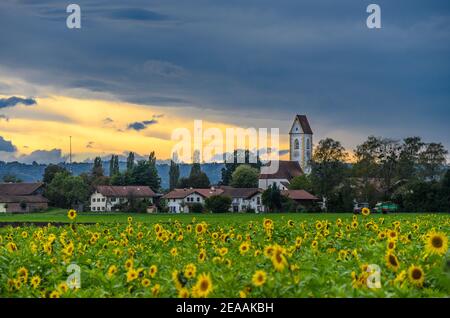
x,y
60,215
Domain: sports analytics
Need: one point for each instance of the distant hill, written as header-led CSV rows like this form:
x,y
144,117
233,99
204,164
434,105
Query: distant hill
x,y
34,172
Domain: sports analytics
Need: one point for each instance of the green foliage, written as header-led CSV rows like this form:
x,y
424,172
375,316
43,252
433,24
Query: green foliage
x,y
67,191
197,179
50,172
302,182
196,207
130,161
272,198
97,169
174,174
239,158
218,203
245,177
114,166
10,178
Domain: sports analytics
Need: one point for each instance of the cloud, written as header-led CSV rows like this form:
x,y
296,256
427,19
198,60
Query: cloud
x,y
14,100
143,124
7,146
248,60
43,156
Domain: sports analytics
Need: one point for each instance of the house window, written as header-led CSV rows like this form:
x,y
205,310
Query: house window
x,y
103,208
258,200
198,199
296,144
308,144
103,199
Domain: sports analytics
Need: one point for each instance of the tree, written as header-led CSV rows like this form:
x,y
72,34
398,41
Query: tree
x,y
155,180
409,157
114,166
196,207
230,167
272,198
66,191
218,203
432,160
328,167
144,174
302,182
10,178
50,171
197,178
97,169
174,174
130,161
245,177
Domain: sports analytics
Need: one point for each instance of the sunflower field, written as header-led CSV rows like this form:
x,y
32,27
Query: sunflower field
x,y
359,256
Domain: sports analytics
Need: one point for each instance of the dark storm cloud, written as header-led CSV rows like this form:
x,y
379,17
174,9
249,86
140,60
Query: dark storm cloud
x,y
6,145
13,101
142,125
258,59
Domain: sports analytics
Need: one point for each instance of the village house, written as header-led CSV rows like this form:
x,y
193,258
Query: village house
x,y
282,177
22,197
110,198
179,200
300,196
242,199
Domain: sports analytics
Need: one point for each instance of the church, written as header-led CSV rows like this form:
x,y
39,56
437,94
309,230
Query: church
x,y
300,155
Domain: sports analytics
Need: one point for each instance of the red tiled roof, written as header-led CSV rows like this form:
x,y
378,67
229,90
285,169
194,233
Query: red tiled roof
x,y
22,198
298,195
286,170
125,191
240,192
19,189
182,193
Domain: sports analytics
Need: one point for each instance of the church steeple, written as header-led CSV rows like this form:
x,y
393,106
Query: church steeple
x,y
301,142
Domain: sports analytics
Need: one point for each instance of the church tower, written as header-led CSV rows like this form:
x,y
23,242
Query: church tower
x,y
301,142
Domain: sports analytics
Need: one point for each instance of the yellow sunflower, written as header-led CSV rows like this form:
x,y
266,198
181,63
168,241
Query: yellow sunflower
x,y
392,261
112,270
365,211
416,275
278,259
153,270
145,282
132,274
183,293
268,224
72,214
203,287
259,278
202,255
54,294
35,281
190,270
244,247
437,243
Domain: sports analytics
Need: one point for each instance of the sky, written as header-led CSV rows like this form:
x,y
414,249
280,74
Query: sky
x,y
136,70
